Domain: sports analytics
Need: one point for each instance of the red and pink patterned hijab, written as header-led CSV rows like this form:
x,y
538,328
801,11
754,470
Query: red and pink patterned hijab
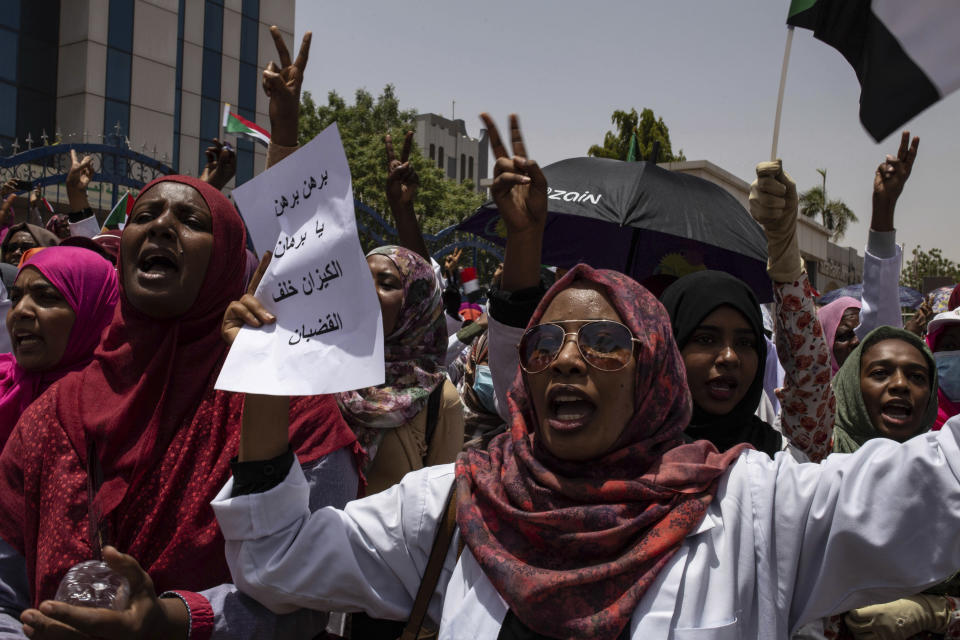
x,y
573,546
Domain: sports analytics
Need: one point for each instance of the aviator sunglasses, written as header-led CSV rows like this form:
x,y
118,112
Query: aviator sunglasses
x,y
603,344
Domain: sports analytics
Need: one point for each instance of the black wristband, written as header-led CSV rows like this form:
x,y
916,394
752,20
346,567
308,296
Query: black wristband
x,y
257,476
77,216
515,308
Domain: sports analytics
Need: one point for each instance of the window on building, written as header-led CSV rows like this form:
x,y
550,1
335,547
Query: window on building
x,y
120,25
433,152
119,62
118,75
9,44
249,84
178,100
248,40
8,110
210,85
440,158
10,16
470,169
210,73
213,24
463,166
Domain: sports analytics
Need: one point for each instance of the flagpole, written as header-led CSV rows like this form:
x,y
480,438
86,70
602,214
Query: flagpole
x,y
783,84
223,119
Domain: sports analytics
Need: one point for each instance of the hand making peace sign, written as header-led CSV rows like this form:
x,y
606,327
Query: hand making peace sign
x,y
282,85
519,187
402,180
892,174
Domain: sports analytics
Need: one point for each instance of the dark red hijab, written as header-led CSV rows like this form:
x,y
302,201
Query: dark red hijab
x,y
573,546
163,437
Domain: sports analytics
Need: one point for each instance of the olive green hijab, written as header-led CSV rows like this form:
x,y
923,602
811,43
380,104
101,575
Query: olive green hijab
x,y
852,426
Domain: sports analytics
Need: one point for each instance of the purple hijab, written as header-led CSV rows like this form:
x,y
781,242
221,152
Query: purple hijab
x,y
830,316
88,282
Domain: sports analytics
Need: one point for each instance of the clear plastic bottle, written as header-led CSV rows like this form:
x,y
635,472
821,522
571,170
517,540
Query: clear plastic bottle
x,y
93,583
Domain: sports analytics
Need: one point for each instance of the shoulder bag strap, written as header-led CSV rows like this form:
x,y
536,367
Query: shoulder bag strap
x,y
431,575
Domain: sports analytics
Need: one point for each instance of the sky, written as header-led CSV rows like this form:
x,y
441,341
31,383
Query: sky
x,y
711,70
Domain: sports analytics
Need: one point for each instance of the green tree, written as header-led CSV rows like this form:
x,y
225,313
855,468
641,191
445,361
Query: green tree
x,y
648,129
440,202
835,215
927,263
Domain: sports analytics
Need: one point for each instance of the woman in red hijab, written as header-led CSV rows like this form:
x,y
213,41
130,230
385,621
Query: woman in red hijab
x,y
144,427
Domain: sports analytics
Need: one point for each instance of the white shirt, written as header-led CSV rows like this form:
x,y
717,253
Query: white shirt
x,y
783,543
881,291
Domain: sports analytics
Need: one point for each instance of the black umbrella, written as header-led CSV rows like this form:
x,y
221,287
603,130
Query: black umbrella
x,y
640,219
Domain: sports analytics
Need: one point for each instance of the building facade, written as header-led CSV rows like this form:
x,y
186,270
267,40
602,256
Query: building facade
x,y
154,71
446,143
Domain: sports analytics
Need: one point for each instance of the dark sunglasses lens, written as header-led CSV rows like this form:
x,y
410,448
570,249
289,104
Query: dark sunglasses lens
x,y
606,345
539,346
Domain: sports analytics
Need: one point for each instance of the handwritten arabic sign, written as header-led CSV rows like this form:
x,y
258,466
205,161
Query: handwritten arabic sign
x,y
328,336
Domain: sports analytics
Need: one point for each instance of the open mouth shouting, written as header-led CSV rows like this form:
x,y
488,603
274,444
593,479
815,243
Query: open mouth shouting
x,y
25,341
722,387
156,265
897,413
569,408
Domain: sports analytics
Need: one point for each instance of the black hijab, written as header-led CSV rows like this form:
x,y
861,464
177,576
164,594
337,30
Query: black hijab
x,y
688,301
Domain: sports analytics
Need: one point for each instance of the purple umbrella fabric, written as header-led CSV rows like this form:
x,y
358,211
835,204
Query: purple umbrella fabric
x,y
909,298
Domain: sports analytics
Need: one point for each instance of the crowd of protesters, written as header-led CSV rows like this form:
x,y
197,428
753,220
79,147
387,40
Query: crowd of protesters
x,y
554,457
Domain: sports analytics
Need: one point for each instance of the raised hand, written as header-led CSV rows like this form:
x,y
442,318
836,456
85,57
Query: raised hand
x,y
917,324
80,172
221,164
147,616
6,209
402,185
8,187
247,311
452,260
888,182
402,180
282,85
773,203
520,193
519,187
78,179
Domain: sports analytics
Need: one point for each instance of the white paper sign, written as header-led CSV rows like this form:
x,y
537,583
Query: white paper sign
x,y
328,336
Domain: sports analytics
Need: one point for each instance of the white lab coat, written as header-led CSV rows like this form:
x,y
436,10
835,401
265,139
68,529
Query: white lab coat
x,y
783,543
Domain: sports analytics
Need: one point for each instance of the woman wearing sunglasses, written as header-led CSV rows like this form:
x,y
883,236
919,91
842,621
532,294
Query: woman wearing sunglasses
x,y
21,238
591,518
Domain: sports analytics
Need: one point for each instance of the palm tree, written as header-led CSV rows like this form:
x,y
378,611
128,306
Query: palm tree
x,y
835,215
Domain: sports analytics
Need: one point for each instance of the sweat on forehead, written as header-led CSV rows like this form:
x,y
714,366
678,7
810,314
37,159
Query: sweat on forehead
x,y
582,300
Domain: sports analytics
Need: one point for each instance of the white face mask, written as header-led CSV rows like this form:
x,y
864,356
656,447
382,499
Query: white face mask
x,y
948,373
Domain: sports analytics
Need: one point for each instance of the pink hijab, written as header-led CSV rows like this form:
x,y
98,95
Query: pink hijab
x,y
829,316
88,282
946,408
